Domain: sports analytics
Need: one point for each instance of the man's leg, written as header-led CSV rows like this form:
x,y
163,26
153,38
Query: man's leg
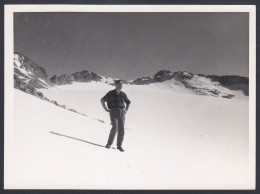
x,y
121,129
113,131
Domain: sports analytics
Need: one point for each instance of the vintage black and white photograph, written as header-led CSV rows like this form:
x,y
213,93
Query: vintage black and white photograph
x,y
129,97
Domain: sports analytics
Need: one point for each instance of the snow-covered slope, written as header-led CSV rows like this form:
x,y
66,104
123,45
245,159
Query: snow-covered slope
x,y
200,86
173,140
209,85
28,74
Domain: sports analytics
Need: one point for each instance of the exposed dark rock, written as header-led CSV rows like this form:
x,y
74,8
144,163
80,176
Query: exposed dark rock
x,y
31,66
182,75
162,76
61,79
30,73
214,92
143,81
85,76
73,110
229,96
232,82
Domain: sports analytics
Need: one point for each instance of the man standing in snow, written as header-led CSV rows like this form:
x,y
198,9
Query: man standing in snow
x,y
116,100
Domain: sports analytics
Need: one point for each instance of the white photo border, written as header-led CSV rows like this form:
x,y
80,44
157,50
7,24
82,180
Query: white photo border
x,y
9,11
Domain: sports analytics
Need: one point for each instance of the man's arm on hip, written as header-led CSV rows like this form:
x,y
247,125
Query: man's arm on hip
x,y
104,105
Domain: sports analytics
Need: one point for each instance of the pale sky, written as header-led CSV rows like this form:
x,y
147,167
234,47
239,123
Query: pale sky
x,y
132,45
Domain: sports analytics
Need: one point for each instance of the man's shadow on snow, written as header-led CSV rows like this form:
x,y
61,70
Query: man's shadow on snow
x,y
79,139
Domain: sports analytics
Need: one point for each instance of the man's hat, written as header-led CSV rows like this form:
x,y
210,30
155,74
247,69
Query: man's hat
x,y
118,82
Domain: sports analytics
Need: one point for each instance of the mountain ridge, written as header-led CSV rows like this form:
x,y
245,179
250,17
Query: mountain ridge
x,y
29,76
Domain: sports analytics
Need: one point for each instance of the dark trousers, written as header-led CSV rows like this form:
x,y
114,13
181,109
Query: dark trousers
x,y
117,117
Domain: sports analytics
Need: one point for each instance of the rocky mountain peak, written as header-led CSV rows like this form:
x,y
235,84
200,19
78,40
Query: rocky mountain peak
x,y
163,75
82,76
23,62
199,84
28,74
182,75
85,76
60,79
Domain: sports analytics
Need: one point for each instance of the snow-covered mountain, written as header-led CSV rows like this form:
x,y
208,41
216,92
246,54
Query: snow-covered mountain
x,y
210,85
83,76
30,76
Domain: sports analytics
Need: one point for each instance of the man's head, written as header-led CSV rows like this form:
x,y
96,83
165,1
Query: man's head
x,y
119,85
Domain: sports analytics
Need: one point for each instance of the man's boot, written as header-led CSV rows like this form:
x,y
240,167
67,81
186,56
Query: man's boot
x,y
121,149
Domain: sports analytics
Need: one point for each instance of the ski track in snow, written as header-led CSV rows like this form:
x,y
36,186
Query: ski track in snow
x,y
174,140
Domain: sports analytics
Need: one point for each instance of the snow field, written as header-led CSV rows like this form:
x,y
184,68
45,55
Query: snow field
x,y
173,140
